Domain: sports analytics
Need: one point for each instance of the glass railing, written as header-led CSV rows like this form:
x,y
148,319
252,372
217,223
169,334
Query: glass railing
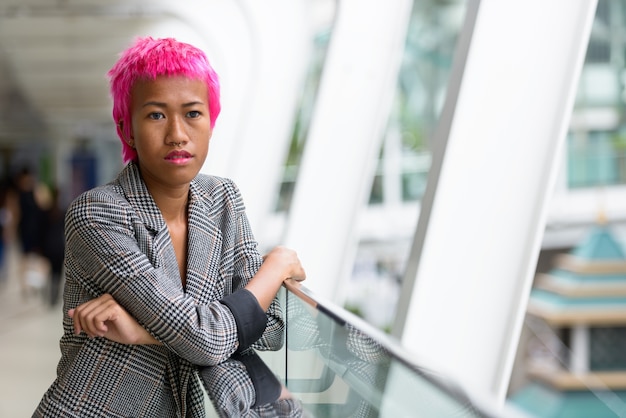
x,y
340,366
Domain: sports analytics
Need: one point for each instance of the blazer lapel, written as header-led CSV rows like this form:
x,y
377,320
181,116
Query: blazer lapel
x,y
138,196
204,249
158,246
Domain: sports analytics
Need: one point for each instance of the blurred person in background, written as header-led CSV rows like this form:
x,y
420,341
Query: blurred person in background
x,y
52,243
5,227
29,211
28,215
165,290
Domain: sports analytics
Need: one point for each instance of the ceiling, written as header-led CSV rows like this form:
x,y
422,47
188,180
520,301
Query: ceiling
x,y
54,56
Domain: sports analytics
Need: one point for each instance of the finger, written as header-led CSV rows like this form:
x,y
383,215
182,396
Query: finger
x,y
80,316
75,322
299,273
98,317
298,278
91,315
81,321
83,317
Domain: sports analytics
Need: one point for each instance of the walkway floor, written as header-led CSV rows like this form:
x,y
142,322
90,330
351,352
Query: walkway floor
x,y
29,344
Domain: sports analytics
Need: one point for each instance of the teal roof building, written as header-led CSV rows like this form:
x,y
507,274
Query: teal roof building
x,y
581,370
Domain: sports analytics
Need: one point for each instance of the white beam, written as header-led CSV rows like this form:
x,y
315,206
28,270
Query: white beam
x,y
346,131
494,166
282,54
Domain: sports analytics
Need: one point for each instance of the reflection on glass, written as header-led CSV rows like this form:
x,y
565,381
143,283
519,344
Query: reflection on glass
x,y
339,369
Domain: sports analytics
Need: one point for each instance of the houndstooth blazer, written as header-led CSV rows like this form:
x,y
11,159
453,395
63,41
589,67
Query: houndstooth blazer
x,y
117,242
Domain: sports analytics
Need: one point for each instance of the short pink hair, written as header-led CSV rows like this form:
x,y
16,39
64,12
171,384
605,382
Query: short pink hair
x,y
146,59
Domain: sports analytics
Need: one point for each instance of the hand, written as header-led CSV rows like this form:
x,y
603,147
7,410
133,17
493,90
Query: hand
x,y
279,264
285,262
104,317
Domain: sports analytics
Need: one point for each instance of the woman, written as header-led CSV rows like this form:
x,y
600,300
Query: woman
x,y
164,282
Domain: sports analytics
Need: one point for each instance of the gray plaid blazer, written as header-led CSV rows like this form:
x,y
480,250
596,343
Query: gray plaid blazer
x,y
117,242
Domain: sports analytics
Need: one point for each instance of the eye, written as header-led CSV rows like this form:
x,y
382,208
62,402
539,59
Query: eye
x,y
194,114
156,116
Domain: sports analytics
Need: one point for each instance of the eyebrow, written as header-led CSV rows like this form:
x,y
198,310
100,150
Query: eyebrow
x,y
162,104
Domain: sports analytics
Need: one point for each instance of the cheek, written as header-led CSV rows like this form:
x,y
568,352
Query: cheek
x,y
204,148
145,132
207,142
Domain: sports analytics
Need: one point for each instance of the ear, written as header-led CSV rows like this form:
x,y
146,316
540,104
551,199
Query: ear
x,y
130,141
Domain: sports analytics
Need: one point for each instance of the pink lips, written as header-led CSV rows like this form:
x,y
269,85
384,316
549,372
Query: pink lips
x,y
178,157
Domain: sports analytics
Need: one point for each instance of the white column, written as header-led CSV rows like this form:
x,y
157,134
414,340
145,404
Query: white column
x,y
579,345
282,54
494,166
346,131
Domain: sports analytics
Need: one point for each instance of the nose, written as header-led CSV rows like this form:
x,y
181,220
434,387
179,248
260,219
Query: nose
x,y
176,131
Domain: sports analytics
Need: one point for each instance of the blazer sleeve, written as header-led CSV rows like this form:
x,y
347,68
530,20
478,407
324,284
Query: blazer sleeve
x,y
247,263
103,254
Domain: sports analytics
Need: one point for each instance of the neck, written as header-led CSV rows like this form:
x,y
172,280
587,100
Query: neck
x,y
172,203
171,200
173,210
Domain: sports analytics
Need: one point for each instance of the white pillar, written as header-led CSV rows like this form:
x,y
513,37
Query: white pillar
x,y
282,54
346,131
494,166
579,349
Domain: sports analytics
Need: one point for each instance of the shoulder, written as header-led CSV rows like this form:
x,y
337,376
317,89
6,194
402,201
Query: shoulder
x,y
219,190
107,199
212,184
109,193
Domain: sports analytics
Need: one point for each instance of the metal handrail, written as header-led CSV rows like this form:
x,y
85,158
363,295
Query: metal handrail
x,y
388,345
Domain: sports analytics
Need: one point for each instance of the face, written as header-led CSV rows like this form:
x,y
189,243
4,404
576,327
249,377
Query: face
x,y
170,129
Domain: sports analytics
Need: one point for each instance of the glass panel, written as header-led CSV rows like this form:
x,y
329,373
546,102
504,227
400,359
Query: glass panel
x,y
422,82
324,16
594,159
597,133
376,195
405,158
339,366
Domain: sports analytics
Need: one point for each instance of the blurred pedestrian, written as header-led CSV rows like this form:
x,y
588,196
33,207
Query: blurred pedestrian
x,y
29,218
52,243
5,224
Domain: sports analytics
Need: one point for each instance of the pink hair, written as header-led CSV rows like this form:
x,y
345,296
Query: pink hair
x,y
147,59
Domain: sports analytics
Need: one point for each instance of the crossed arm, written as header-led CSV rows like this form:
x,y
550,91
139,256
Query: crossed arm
x,y
104,317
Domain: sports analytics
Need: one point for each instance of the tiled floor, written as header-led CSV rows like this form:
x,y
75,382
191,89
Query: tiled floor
x,y
29,349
